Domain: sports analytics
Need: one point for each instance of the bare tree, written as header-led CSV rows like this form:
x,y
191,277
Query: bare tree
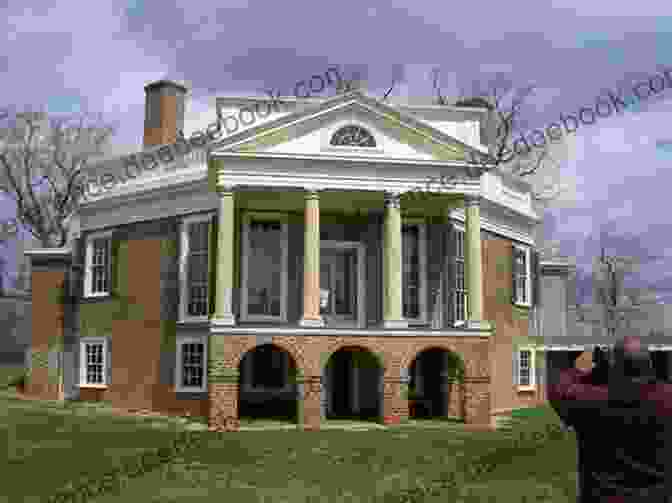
x,y
41,162
505,104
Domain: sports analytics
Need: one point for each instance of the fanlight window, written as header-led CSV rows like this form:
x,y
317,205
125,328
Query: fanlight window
x,y
353,136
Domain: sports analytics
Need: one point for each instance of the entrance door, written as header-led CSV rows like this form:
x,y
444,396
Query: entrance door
x,y
339,286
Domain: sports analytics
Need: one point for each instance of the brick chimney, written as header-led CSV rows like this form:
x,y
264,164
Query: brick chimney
x,y
164,112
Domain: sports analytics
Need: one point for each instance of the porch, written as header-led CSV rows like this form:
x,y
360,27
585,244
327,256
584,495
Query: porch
x,y
348,260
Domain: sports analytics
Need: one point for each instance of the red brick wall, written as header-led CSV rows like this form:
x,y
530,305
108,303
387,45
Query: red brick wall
x,y
497,257
396,353
136,342
47,325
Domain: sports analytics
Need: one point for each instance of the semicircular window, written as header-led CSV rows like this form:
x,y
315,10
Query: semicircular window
x,y
353,136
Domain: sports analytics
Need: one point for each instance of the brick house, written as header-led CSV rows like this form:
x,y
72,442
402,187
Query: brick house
x,y
292,270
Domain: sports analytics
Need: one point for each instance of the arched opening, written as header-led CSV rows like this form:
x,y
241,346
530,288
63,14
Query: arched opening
x,y
353,387
267,387
434,379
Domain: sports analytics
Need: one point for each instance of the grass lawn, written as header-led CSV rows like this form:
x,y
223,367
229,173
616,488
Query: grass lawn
x,y
374,465
49,443
9,372
43,445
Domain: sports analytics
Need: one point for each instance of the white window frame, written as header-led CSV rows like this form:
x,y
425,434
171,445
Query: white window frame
x,y
184,254
88,264
82,362
528,277
281,218
422,252
459,229
178,364
532,367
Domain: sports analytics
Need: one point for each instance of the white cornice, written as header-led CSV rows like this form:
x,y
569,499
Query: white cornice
x,y
495,227
165,185
293,330
336,157
374,181
49,252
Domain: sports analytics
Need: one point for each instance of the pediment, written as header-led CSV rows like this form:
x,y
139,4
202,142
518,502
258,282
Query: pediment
x,y
310,131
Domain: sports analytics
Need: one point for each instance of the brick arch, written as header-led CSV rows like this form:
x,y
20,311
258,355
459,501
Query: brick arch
x,y
378,355
296,357
412,353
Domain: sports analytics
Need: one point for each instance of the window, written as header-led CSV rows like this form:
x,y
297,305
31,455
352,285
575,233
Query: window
x,y
521,275
93,362
459,286
525,368
98,264
191,368
195,267
352,136
264,281
414,272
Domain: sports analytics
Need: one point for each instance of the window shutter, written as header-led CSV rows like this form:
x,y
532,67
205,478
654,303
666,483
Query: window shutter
x,y
535,269
513,274
212,258
113,265
515,367
108,360
539,367
451,244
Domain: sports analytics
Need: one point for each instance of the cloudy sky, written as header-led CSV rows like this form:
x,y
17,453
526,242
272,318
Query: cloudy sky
x,y
97,56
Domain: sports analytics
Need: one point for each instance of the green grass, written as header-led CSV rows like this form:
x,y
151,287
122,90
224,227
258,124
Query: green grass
x,y
45,444
8,373
48,444
301,466
374,465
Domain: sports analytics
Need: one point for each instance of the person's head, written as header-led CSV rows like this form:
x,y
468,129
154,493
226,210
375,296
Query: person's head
x,y
601,357
632,358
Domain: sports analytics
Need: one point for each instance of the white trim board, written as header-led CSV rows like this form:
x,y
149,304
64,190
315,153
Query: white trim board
x,y
347,332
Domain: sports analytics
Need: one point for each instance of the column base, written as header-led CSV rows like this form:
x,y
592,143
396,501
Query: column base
x,y
228,320
308,323
478,325
392,324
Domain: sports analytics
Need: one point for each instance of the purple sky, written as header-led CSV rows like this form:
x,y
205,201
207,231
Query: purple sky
x,y
97,56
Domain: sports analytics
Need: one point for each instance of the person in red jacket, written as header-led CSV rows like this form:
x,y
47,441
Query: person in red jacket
x,y
622,418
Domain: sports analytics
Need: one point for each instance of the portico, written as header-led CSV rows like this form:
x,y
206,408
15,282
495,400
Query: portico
x,y
314,247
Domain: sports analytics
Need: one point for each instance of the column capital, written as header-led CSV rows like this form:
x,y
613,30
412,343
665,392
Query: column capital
x,y
311,193
470,200
392,200
225,189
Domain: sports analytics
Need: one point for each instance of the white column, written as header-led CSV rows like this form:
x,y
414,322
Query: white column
x,y
474,263
311,262
225,254
393,307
